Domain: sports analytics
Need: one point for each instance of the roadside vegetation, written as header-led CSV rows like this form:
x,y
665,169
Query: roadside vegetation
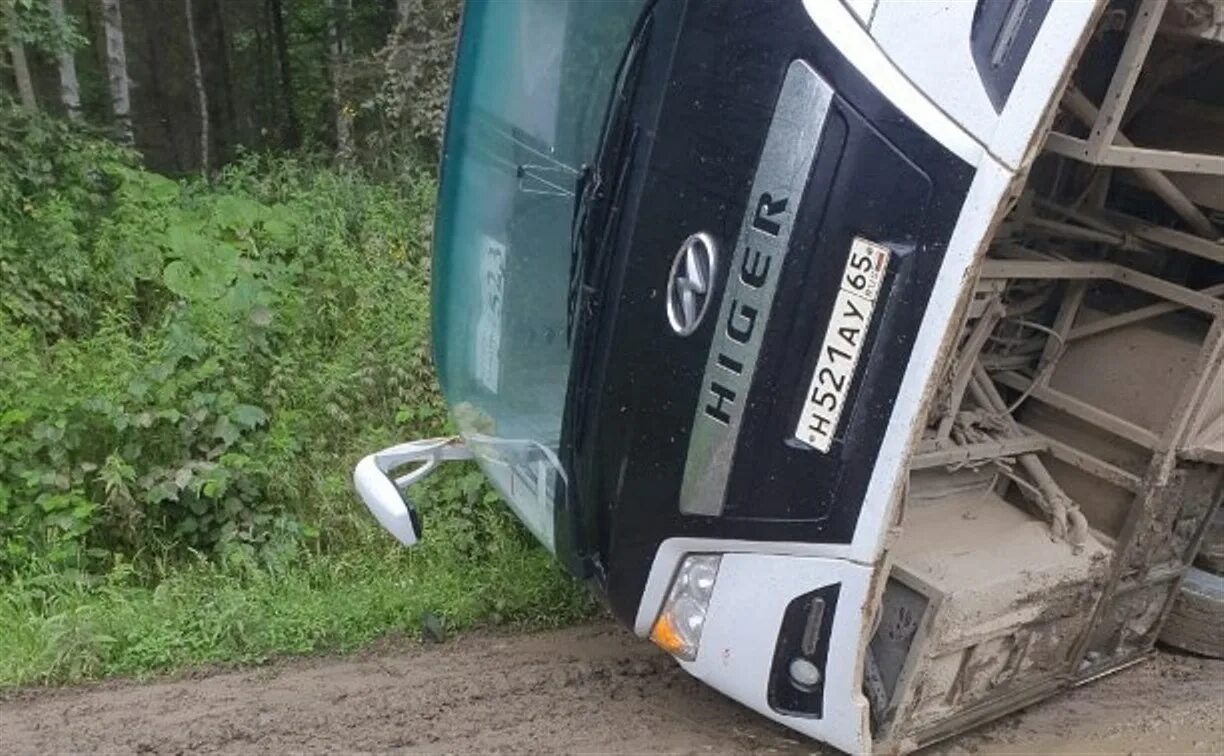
x,y
189,368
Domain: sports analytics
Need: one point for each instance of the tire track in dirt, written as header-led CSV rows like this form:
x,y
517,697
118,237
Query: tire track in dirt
x,y
594,689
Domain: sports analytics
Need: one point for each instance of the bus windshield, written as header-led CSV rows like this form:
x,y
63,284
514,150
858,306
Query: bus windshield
x,y
530,91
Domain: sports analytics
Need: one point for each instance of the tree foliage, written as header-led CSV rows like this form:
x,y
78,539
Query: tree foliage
x,y
189,365
266,71
202,325
35,24
411,74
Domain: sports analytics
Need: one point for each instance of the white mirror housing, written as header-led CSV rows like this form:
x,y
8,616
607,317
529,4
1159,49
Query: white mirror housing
x,y
382,493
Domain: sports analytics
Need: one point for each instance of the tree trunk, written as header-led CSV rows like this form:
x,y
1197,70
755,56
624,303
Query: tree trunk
x,y
197,78
21,68
229,131
96,36
263,85
337,42
70,86
117,71
155,96
292,133
389,16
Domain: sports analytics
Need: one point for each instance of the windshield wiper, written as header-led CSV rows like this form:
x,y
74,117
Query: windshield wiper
x,y
579,232
600,187
599,201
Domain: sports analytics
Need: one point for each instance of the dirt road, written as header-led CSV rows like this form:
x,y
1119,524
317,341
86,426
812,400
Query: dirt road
x,y
587,689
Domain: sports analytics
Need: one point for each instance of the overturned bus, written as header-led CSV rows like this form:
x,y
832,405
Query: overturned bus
x,y
864,355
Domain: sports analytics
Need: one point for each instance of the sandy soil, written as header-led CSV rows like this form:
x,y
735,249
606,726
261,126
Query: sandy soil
x,y
587,689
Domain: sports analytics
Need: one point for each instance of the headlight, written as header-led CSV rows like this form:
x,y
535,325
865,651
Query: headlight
x,y
678,627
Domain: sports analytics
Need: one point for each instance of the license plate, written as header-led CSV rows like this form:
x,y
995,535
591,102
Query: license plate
x,y
843,343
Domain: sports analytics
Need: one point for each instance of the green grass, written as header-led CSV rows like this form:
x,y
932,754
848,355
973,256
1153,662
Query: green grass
x,y
61,630
189,371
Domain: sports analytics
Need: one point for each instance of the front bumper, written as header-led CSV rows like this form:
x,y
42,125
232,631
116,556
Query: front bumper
x,y
744,643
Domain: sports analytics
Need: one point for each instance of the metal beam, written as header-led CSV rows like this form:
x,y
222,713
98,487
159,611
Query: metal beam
x,y
1133,157
1072,231
1135,316
1094,466
964,361
1081,409
1167,237
1200,385
1040,269
969,453
1091,220
1122,84
1210,455
1162,160
1063,321
1082,108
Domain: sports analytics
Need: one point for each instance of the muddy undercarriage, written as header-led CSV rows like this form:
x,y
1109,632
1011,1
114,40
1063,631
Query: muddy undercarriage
x,y
1074,450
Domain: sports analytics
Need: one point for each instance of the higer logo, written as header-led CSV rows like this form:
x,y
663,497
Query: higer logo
x,y
689,283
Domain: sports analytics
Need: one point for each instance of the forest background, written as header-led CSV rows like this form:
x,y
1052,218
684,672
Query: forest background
x,y
214,261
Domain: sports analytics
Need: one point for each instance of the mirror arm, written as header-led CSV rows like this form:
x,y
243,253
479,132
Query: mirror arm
x,y
383,495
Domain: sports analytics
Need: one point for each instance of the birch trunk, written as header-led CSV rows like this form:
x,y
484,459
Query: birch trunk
x,y
197,78
21,68
70,86
117,71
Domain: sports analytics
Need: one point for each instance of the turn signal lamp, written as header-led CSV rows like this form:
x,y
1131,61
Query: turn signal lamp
x,y
678,627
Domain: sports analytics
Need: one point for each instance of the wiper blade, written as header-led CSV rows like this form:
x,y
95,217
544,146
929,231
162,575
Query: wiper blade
x,y
579,229
598,204
599,187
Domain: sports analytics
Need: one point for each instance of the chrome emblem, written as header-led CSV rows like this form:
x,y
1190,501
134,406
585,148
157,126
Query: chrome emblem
x,y
755,267
689,283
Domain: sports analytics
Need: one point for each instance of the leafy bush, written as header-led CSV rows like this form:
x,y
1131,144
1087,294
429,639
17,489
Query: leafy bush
x,y
188,372
185,365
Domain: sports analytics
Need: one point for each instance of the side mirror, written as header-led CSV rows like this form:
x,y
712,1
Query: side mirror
x,y
382,493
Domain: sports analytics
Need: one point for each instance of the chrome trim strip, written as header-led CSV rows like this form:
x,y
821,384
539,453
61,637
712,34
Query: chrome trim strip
x,y
764,239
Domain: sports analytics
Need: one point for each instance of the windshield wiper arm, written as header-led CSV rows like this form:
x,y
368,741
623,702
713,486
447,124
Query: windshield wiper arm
x,y
598,204
596,199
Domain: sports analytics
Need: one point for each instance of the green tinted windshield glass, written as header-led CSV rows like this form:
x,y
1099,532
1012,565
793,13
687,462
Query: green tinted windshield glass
x,y
532,83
